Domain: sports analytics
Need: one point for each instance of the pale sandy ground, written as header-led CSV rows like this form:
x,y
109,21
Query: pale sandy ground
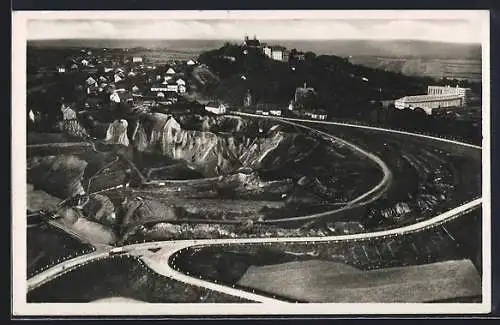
x,y
40,200
94,231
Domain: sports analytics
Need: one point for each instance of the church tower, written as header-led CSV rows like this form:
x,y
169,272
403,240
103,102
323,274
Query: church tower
x,y
247,99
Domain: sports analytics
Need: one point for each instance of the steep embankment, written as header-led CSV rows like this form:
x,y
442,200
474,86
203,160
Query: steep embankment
x,y
247,170
219,146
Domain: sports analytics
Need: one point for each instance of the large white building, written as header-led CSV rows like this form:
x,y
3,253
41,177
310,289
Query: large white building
x,y
429,102
278,53
465,93
436,97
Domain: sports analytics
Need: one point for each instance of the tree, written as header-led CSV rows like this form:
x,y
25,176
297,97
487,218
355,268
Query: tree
x,y
309,56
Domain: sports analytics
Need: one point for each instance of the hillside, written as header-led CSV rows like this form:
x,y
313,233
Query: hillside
x,y
342,88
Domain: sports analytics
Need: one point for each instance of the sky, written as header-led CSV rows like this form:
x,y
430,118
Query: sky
x,y
440,30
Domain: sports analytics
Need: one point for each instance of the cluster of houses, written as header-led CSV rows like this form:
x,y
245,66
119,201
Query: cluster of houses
x,y
281,53
275,52
295,106
128,77
124,77
135,82
170,82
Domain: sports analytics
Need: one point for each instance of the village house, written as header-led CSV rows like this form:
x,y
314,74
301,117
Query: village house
x,y
61,69
191,63
167,98
279,53
84,62
118,78
167,85
121,96
137,59
67,112
275,112
316,115
255,43
215,108
247,99
181,86
268,51
166,79
172,97
114,97
302,92
298,56
172,86
345,227
91,82
148,103
170,71
156,88
92,90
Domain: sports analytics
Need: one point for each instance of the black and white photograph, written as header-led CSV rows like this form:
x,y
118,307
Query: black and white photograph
x,y
251,162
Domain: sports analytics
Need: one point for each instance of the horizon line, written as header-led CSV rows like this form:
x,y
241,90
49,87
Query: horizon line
x,y
271,39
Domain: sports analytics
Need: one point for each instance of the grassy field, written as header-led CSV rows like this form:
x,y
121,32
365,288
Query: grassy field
x,y
435,68
330,282
346,266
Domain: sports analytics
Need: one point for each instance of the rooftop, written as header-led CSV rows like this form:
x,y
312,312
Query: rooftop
x,y
446,87
277,48
429,98
303,92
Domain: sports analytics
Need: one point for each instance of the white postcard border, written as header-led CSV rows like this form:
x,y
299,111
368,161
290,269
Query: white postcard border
x,y
21,308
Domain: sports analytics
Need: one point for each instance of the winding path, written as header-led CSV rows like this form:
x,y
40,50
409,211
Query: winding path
x,y
170,248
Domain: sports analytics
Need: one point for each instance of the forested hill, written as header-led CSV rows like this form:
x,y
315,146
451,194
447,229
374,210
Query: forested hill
x,y
341,86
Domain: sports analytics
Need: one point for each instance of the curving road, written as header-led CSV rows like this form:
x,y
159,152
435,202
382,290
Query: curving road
x,y
170,248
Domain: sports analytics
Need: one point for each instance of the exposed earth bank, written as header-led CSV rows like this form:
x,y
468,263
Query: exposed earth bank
x,y
191,167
